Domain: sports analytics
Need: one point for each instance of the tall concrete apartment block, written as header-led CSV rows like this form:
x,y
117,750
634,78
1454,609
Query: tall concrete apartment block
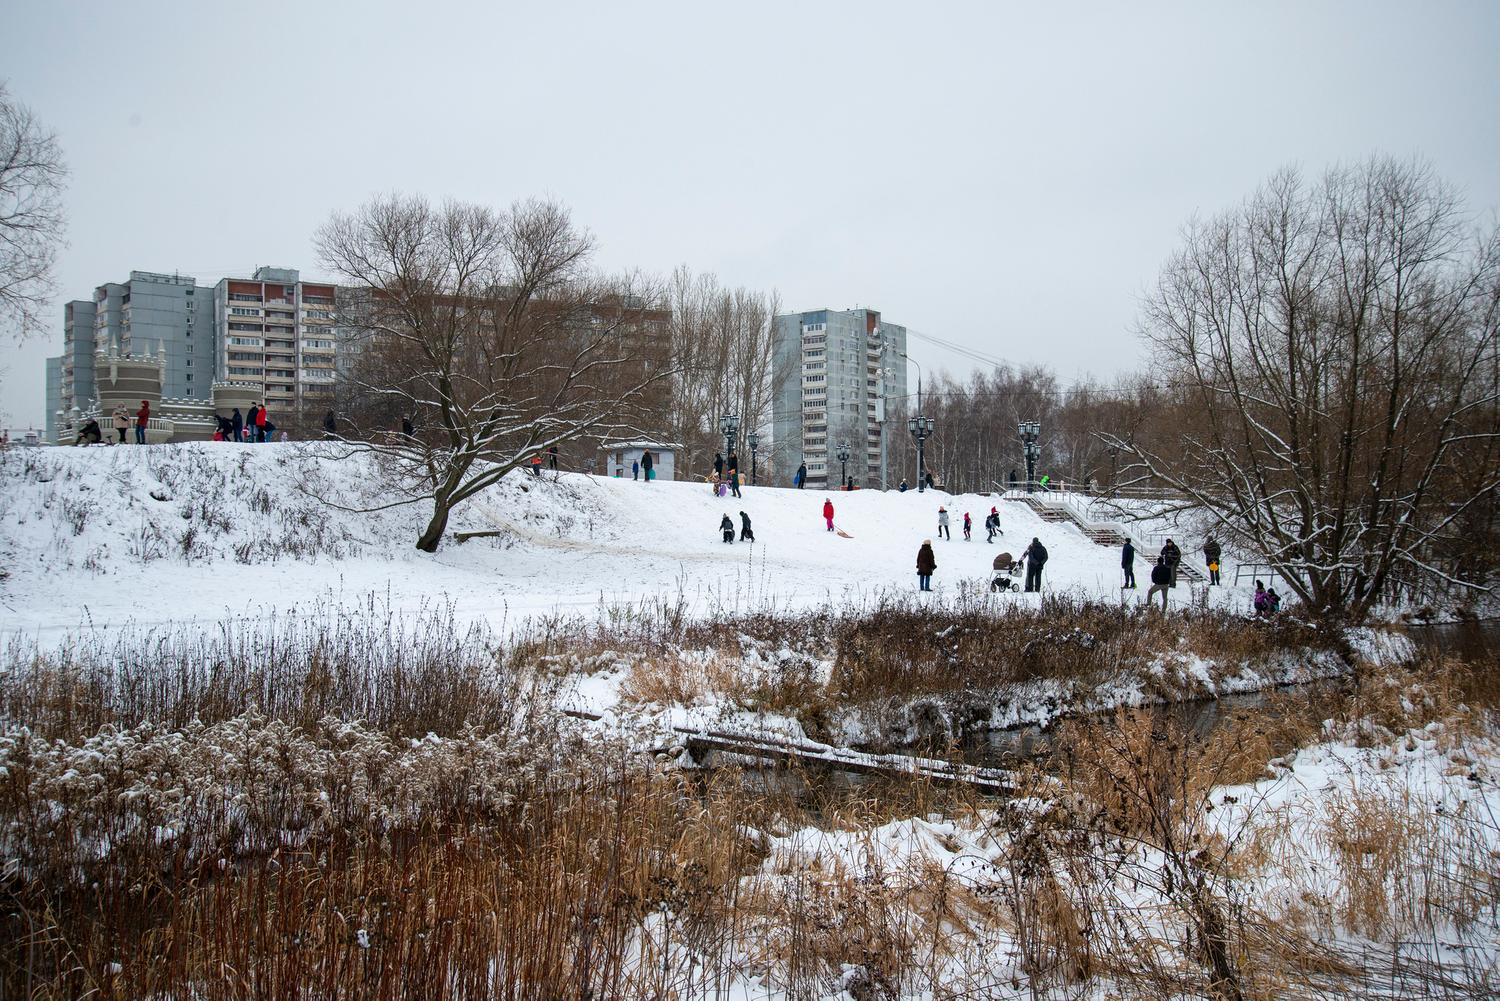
x,y
277,333
833,372
148,313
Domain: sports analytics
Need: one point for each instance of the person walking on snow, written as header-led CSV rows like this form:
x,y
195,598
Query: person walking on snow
x,y
121,421
727,527
943,524
993,524
968,526
1127,563
745,534
1262,600
552,458
733,462
1211,553
1173,556
718,464
1036,558
801,478
536,464
648,464
635,469
1161,580
828,512
261,425
142,416
236,424
926,564
734,482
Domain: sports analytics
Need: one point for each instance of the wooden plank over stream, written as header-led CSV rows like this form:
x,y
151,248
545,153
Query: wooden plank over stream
x,y
700,742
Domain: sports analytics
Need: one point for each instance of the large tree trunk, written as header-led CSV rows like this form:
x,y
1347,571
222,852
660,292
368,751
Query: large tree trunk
x,y
428,541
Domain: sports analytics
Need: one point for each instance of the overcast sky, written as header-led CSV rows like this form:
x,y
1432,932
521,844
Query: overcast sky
x,y
1009,177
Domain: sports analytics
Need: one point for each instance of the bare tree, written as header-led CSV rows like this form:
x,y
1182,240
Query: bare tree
x,y
485,340
32,175
1337,347
721,342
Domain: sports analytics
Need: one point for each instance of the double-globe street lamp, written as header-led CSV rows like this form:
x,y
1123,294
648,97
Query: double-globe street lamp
x,y
730,425
921,429
1030,431
843,454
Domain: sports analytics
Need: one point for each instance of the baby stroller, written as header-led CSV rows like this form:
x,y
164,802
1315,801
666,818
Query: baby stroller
x,y
1007,569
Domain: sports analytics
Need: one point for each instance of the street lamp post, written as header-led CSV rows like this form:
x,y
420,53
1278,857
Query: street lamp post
x,y
843,454
730,425
752,439
921,429
1030,431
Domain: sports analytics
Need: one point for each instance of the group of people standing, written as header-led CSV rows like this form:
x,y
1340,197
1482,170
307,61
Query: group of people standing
x,y
254,426
726,475
236,427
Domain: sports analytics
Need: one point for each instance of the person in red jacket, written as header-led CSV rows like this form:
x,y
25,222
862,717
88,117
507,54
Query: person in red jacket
x,y
828,513
142,416
261,424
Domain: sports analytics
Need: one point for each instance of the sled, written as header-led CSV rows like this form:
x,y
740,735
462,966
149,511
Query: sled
x,y
842,534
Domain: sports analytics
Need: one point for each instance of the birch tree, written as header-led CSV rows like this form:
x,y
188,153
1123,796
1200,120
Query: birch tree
x,y
1336,342
487,333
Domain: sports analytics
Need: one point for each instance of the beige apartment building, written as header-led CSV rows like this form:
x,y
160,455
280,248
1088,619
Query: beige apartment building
x,y
276,331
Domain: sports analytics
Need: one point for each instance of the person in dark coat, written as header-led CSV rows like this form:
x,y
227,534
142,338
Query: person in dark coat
x,y
89,434
407,427
727,527
1211,553
733,462
1036,558
745,534
1161,580
928,477
635,469
926,564
236,424
330,425
1172,556
1127,563
801,478
734,482
552,458
647,464
718,464
1012,479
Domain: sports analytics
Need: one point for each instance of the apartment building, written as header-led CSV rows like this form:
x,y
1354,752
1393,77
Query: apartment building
x,y
833,371
276,332
148,313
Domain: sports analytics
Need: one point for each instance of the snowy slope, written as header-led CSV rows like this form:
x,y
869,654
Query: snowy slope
x,y
112,536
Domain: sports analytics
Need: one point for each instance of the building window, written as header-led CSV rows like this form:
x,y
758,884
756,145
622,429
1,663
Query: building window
x,y
243,311
188,377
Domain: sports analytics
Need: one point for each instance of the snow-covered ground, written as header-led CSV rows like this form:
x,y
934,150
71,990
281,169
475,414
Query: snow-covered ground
x,y
108,536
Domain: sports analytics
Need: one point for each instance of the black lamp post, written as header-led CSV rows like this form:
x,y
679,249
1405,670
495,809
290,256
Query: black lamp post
x,y
752,439
1030,431
843,454
730,425
921,428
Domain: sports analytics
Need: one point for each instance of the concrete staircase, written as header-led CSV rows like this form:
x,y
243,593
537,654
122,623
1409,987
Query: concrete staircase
x,y
1107,535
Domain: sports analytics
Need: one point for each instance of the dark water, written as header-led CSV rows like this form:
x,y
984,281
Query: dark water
x,y
1474,641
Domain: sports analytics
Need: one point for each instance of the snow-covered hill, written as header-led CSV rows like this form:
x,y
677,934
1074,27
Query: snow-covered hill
x,y
111,535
